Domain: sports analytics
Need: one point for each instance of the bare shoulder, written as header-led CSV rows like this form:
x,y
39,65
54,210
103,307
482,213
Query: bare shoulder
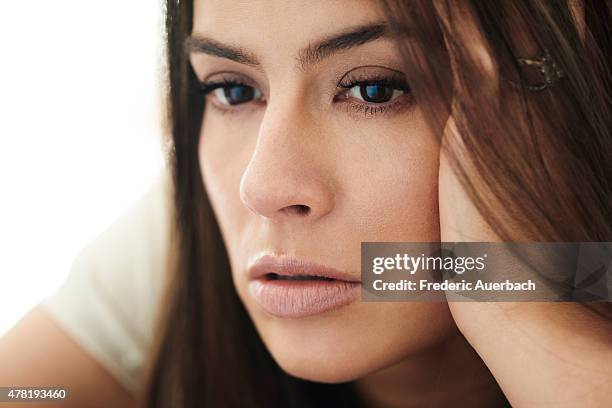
x,y
37,352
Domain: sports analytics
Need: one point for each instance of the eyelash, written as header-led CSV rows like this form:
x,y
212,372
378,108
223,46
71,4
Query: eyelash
x,y
368,109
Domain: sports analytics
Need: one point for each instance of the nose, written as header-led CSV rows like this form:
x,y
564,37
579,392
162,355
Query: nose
x,y
289,175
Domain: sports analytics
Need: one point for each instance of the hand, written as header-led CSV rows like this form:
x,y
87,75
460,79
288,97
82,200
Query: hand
x,y
541,354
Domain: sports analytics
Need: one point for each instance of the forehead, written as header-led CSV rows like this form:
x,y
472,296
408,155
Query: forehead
x,y
281,25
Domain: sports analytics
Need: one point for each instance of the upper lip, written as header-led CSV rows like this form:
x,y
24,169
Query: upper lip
x,y
291,266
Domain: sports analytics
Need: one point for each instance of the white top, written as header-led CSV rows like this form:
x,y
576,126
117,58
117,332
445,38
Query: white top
x,y
109,301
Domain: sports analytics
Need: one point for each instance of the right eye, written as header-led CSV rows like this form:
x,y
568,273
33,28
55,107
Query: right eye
x,y
231,93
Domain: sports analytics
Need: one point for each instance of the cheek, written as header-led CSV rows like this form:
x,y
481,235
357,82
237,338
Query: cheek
x,y
224,151
393,186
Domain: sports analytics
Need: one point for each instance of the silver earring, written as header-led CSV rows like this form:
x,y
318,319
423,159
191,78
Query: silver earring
x,y
546,69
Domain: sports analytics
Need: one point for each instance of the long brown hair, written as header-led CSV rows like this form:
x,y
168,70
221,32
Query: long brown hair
x,y
546,162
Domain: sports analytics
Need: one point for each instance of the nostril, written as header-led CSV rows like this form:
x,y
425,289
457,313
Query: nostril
x,y
303,209
298,209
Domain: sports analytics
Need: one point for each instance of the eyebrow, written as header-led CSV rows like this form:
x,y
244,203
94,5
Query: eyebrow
x,y
308,56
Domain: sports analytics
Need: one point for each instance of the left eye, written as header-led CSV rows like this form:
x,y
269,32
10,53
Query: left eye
x,y
375,92
236,94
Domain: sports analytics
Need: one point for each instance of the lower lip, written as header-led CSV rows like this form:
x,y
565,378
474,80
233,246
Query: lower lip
x,y
300,298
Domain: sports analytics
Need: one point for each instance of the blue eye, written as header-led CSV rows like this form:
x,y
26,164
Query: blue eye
x,y
236,94
232,93
376,92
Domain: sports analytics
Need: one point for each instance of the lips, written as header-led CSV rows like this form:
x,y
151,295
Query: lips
x,y
290,287
290,267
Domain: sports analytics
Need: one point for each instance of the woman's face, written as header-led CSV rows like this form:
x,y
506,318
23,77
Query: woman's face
x,y
312,143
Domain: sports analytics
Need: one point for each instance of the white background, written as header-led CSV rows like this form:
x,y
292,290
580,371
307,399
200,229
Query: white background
x,y
80,134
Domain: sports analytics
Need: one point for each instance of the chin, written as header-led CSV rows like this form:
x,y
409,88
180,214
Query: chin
x,y
322,373
331,368
353,342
